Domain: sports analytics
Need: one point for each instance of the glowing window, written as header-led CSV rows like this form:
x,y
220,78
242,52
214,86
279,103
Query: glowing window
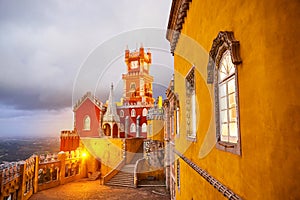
x,y
87,123
226,85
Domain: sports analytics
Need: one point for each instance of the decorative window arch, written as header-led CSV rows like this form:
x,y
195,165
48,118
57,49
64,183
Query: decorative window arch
x,y
133,113
144,127
87,123
222,72
121,113
145,112
132,128
191,122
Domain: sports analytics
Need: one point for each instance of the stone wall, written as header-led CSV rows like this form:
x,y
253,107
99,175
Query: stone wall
x,y
20,180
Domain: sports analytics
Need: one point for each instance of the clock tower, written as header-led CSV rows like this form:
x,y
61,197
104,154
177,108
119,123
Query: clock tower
x,y
137,80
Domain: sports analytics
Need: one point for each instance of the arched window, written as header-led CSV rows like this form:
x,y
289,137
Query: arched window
x,y
222,72
227,99
132,128
145,112
87,123
144,128
121,113
133,113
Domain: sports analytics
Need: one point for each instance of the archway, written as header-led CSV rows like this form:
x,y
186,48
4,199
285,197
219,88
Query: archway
x,y
107,129
115,131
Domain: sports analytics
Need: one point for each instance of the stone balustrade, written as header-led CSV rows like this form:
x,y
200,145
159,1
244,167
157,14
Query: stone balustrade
x,y
20,180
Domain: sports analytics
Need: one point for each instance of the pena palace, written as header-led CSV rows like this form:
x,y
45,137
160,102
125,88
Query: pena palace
x,y
125,119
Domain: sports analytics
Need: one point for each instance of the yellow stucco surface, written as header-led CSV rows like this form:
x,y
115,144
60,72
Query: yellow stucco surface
x,y
268,84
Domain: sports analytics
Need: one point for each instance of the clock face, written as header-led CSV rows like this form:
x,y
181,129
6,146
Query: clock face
x,y
134,64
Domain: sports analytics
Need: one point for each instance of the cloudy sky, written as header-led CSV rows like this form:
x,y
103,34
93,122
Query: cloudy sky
x,y
53,51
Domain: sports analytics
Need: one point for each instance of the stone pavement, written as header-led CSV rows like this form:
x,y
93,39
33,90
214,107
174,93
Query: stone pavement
x,y
84,189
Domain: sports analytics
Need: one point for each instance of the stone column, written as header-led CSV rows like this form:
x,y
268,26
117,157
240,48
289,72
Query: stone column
x,y
62,158
36,174
126,126
138,126
22,180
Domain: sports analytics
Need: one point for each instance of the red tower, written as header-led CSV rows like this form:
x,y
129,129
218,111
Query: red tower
x,y
137,94
137,80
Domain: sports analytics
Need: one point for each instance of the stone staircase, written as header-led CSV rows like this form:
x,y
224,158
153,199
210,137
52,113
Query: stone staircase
x,y
125,176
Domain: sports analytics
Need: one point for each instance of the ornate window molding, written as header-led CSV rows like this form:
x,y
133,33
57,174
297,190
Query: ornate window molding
x,y
87,123
190,104
223,61
177,16
223,42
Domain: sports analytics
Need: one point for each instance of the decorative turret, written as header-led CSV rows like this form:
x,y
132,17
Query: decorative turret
x,y
111,112
111,120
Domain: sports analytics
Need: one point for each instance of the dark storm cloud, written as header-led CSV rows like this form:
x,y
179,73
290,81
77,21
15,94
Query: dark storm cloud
x,y
43,44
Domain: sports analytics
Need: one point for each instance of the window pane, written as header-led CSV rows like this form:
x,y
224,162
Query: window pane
x,y
223,103
224,130
222,90
232,100
232,114
222,73
223,116
233,129
231,85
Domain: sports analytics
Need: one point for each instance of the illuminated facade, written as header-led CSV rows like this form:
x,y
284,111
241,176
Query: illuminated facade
x,y
137,94
236,77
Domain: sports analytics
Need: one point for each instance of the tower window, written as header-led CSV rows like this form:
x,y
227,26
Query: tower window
x,y
121,113
190,104
133,113
144,127
132,86
145,111
87,123
132,128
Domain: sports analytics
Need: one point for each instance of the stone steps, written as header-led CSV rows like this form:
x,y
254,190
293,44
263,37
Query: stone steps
x,y
124,178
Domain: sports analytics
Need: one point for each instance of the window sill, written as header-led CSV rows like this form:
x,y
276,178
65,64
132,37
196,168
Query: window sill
x,y
229,147
192,139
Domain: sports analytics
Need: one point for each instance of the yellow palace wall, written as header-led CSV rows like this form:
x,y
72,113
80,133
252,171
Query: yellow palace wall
x,y
268,85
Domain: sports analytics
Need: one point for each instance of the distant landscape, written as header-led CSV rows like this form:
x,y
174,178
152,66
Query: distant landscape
x,y
16,149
